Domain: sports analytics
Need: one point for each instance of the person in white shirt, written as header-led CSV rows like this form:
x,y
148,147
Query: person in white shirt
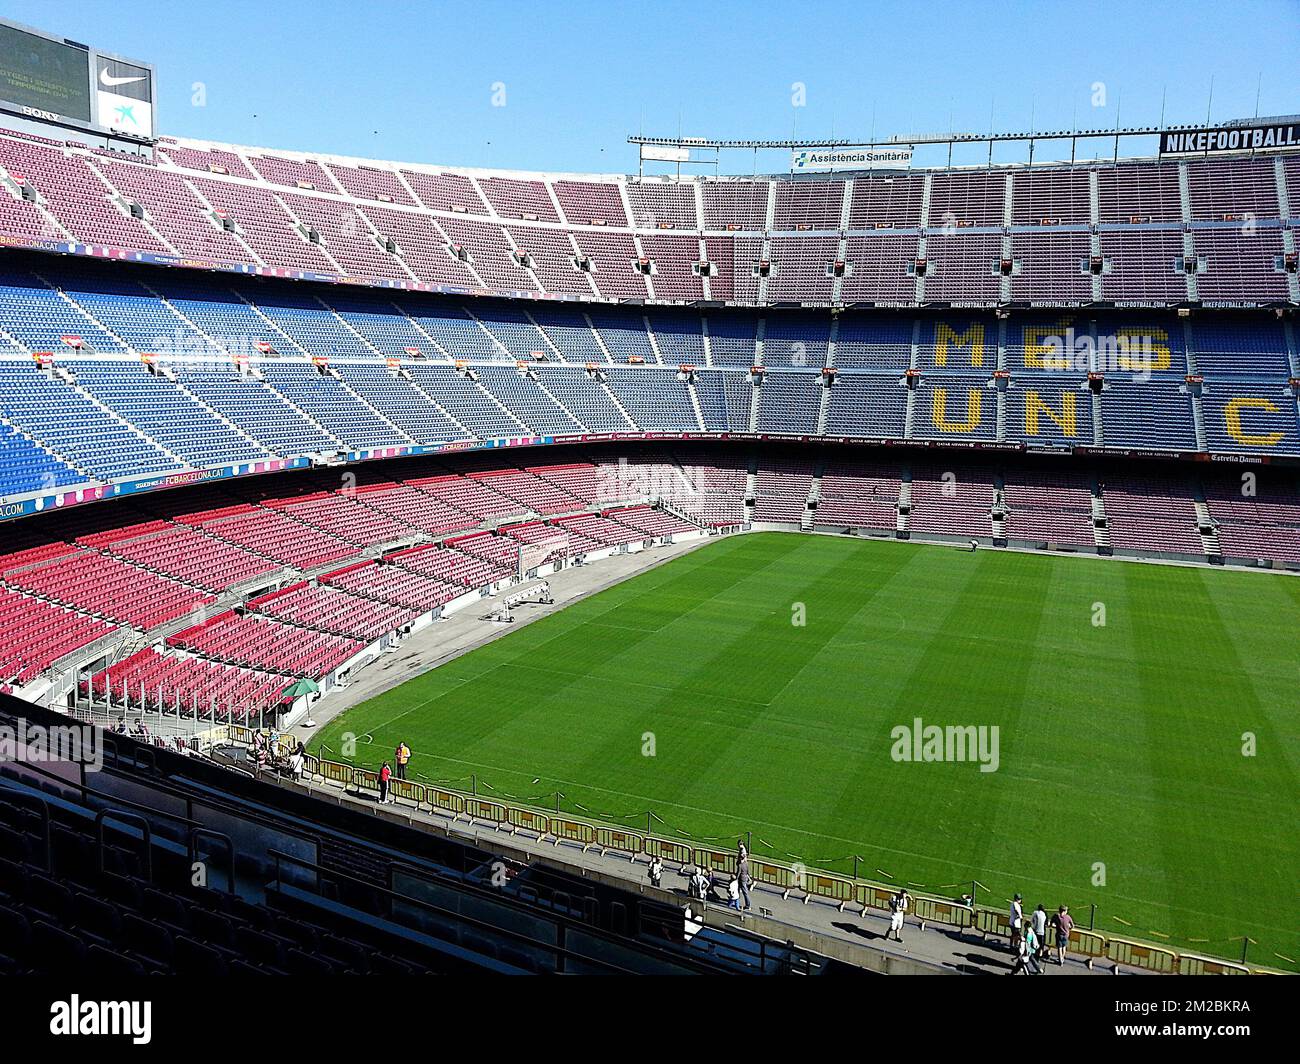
x,y
898,906
1038,922
1017,921
733,892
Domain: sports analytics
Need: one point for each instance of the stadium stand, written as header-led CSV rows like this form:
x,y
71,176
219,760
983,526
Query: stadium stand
x,y
85,891
355,218
964,318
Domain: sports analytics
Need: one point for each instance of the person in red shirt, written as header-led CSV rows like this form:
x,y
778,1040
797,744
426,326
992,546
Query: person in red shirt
x,y
1062,924
385,774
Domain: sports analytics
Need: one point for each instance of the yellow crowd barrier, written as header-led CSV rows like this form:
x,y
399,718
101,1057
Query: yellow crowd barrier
x,y
668,850
993,922
871,896
1087,943
1140,955
629,842
783,877
826,885
528,820
447,801
723,861
572,831
482,809
1191,964
407,789
936,911
363,777
335,771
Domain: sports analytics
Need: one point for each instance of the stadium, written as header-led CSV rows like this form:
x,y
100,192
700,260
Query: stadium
x,y
883,526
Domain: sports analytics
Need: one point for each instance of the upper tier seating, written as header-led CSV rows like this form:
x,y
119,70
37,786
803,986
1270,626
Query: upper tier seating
x,y
530,233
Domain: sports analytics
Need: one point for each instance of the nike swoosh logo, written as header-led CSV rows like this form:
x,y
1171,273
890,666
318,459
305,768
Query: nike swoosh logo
x,y
108,81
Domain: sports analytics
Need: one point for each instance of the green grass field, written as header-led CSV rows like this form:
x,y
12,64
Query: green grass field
x,y
1120,745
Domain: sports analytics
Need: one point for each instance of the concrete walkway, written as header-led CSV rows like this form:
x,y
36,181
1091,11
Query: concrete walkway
x,y
816,925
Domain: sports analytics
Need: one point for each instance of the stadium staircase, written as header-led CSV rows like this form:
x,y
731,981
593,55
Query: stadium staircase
x,y
904,503
823,404
1208,528
809,517
751,487
998,511
614,399
600,343
695,404
541,387
1100,524
428,395
654,339
217,415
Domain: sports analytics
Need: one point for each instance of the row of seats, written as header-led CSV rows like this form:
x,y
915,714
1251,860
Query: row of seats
x,y
102,413
504,232
77,576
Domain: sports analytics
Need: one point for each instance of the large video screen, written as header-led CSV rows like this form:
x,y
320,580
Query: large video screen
x,y
43,74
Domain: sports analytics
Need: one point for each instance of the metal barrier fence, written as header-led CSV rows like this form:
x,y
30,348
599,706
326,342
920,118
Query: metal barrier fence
x,y
811,882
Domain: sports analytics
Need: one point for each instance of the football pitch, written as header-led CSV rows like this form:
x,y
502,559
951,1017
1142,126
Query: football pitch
x,y
1146,721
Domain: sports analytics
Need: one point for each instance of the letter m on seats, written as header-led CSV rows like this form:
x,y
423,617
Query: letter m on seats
x,y
945,337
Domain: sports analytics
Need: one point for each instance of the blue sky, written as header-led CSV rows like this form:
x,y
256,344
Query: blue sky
x,y
416,81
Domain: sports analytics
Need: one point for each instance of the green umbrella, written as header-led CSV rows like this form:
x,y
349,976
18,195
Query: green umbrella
x,y
300,688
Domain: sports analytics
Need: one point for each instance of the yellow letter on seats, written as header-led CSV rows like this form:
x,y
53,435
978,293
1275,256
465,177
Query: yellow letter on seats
x,y
1034,406
945,336
940,412
1232,418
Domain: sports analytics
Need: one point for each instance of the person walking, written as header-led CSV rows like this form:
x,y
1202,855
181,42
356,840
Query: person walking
x,y
400,757
385,774
1022,956
733,892
898,906
1062,924
743,879
1038,921
656,871
1016,919
1031,945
